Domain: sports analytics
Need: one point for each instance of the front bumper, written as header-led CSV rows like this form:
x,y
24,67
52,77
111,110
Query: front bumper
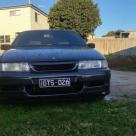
x,y
25,85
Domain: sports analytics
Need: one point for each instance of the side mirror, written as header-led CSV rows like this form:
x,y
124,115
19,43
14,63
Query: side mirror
x,y
91,45
5,47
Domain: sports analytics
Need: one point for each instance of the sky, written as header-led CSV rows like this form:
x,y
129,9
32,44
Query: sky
x,y
115,14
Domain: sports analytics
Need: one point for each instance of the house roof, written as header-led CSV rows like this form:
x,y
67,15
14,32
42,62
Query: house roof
x,y
24,6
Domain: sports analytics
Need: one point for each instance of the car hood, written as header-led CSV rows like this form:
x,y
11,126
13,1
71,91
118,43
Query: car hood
x,y
41,55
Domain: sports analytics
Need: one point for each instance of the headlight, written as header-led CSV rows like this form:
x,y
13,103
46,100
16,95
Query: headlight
x,y
92,64
14,67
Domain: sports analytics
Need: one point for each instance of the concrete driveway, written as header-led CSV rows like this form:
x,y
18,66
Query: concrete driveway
x,y
123,84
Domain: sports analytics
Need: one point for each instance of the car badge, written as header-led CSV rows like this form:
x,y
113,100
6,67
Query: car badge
x,y
54,58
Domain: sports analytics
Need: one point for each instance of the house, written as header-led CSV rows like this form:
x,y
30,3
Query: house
x,y
16,19
127,34
132,33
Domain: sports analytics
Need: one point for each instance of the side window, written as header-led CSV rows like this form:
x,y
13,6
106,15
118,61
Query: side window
x,y
2,39
36,17
7,39
15,13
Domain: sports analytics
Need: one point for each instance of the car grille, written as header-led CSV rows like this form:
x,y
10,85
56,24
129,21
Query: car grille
x,y
49,67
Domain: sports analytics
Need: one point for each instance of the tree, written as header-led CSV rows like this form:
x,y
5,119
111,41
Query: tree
x,y
78,15
110,33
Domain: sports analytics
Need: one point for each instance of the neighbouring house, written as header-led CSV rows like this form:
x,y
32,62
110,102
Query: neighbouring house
x,y
132,33
126,34
16,19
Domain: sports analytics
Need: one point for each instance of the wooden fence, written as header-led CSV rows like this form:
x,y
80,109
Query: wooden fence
x,y
119,46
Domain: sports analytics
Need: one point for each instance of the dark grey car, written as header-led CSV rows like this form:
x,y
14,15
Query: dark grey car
x,y
52,64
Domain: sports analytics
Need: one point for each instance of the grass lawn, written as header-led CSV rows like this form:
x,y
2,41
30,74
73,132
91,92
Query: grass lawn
x,y
96,118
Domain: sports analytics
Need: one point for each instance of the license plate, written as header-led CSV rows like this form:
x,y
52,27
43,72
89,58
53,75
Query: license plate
x,y
54,82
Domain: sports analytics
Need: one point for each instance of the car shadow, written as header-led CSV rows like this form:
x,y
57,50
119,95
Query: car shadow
x,y
54,102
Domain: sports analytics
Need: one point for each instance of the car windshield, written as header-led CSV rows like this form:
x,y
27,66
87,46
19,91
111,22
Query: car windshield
x,y
37,39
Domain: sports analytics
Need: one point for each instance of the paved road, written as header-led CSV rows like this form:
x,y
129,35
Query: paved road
x,y
123,84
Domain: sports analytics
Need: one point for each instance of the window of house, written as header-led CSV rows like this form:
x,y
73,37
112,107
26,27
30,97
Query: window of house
x,y
7,39
2,39
36,17
15,13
